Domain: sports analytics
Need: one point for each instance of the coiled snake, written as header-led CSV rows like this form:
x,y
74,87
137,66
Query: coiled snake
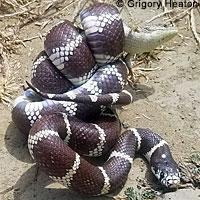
x,y
69,113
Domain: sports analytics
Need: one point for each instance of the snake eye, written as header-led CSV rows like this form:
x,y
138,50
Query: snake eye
x,y
162,175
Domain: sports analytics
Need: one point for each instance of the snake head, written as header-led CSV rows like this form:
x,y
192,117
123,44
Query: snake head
x,y
167,173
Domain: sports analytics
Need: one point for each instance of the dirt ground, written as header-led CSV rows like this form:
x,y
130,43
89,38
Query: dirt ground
x,y
169,104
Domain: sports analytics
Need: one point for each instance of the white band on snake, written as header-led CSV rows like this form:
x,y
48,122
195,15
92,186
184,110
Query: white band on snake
x,y
68,112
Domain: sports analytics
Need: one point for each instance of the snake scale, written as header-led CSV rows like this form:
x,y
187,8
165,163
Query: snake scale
x,y
68,113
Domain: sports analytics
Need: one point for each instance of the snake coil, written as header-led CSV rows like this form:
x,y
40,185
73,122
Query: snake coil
x,y
68,112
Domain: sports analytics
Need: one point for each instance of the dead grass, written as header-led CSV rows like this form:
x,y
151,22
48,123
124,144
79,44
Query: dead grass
x,y
8,87
23,12
42,12
9,83
190,170
171,16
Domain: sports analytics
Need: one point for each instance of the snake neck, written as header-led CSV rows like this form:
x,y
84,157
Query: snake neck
x,y
148,38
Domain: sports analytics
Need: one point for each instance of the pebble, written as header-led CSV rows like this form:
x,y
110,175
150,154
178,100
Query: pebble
x,y
189,114
189,77
194,67
163,105
125,125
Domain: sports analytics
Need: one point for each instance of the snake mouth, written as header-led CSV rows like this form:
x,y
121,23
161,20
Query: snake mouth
x,y
168,179
171,180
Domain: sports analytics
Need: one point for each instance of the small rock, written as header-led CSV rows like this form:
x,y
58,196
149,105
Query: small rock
x,y
193,67
125,125
163,105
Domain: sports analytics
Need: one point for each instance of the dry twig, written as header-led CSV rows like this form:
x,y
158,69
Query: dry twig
x,y
9,84
160,15
180,15
20,12
78,9
193,27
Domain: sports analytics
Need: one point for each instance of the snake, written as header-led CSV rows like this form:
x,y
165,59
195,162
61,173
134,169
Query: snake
x,y
68,112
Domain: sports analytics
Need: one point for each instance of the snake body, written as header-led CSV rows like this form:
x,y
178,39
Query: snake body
x,y
67,112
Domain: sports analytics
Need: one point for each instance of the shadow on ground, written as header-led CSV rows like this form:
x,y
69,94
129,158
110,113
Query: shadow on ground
x,y
35,185
140,91
16,144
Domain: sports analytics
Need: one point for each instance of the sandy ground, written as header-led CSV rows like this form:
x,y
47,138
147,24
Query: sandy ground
x,y
169,104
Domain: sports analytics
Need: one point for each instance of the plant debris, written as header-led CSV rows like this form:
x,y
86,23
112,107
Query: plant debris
x,y
190,170
139,194
9,83
42,13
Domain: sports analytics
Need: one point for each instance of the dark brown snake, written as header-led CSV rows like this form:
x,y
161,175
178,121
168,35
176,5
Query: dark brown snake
x,y
68,111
